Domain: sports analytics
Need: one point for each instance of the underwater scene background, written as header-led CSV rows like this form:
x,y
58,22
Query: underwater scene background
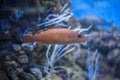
x,y
59,40
107,10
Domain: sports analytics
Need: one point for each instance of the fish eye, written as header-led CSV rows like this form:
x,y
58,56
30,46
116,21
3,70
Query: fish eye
x,y
79,35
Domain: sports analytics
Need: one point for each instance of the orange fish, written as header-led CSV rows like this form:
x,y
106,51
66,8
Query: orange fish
x,y
56,36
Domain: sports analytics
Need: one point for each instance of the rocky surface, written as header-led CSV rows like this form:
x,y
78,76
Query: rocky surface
x,y
27,61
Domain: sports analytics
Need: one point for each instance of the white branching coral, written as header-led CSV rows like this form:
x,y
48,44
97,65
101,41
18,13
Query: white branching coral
x,y
61,50
56,18
58,52
92,64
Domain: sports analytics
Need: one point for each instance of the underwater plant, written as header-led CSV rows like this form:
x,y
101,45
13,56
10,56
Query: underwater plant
x,y
42,40
60,51
93,64
57,18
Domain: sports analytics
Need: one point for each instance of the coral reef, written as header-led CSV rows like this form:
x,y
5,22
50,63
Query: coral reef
x,y
96,59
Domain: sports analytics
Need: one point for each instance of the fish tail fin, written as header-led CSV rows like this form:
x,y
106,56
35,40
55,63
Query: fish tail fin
x,y
27,38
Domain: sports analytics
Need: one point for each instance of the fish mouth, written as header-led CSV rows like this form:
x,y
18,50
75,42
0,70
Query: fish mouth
x,y
83,38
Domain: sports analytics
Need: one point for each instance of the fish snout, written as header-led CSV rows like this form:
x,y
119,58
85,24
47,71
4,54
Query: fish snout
x,y
82,38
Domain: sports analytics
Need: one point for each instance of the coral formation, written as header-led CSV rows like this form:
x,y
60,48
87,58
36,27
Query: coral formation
x,y
95,59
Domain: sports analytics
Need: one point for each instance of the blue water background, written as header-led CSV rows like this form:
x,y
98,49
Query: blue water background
x,y
109,10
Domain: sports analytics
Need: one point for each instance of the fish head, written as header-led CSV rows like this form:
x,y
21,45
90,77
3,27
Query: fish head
x,y
82,38
78,38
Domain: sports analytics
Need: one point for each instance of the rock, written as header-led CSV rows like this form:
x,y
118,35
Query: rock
x,y
116,69
37,72
114,54
16,47
3,76
23,59
28,46
7,58
53,77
